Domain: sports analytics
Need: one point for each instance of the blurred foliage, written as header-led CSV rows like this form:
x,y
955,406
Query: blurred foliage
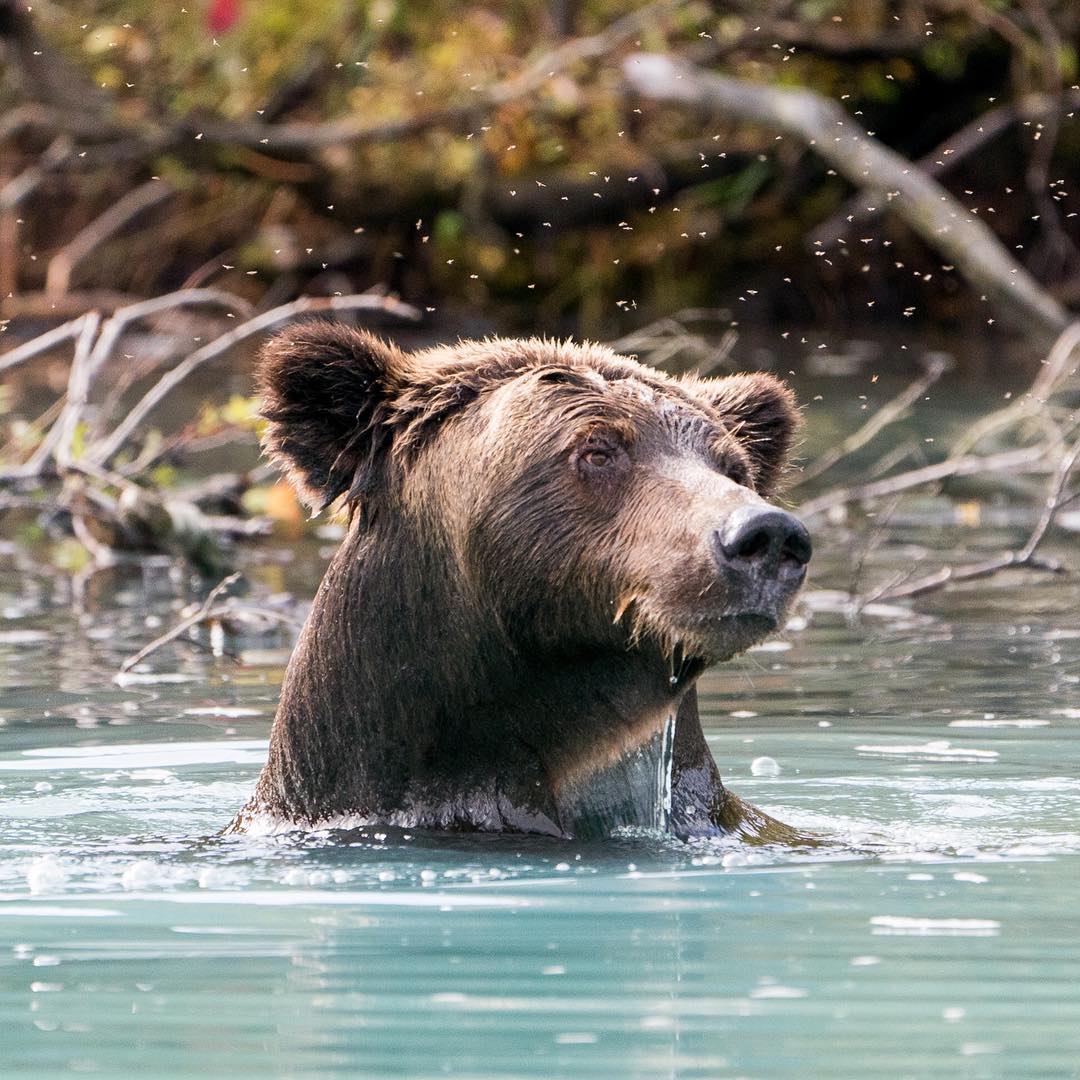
x,y
573,206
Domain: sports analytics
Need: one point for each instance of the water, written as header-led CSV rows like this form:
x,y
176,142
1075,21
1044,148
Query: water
x,y
937,935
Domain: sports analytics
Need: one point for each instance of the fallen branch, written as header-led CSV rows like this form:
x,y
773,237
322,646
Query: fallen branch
x,y
43,343
92,350
120,515
201,613
1022,557
1052,378
968,140
268,320
208,611
959,236
61,437
1027,459
888,414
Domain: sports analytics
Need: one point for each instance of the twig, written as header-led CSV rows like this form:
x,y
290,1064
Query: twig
x,y
961,237
43,343
108,447
1024,556
184,624
135,202
888,414
660,341
206,612
64,424
1053,375
91,351
973,465
78,391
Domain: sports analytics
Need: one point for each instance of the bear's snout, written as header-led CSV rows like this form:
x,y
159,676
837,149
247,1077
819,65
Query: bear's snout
x,y
765,547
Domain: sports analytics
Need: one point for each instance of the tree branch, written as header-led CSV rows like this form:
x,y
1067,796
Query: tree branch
x,y
888,414
968,140
104,451
962,238
1024,459
123,211
1012,560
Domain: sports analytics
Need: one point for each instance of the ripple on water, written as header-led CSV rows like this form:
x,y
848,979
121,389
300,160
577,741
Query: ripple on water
x,y
931,932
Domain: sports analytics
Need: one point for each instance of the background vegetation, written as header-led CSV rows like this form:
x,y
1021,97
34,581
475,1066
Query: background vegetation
x,y
488,158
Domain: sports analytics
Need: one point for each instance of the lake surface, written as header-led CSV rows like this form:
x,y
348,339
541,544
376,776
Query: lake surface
x,y
938,935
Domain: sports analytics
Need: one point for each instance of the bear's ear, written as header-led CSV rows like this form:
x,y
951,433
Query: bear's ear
x,y
326,393
762,414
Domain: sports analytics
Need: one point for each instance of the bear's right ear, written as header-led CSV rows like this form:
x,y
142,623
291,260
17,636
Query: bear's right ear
x,y
326,393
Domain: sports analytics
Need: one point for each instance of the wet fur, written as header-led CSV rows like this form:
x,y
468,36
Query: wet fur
x,y
487,636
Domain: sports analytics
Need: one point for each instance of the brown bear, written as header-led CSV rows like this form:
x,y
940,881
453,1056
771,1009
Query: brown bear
x,y
547,544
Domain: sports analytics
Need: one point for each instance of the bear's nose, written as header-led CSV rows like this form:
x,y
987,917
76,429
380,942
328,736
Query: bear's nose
x,y
766,538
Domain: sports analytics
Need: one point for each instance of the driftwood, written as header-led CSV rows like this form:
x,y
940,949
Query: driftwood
x,y
1022,557
944,224
118,513
958,147
210,611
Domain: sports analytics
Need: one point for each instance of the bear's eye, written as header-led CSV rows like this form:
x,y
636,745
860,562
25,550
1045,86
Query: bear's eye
x,y
598,455
733,467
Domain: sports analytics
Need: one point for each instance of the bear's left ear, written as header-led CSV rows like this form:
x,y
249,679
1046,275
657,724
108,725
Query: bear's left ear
x,y
762,414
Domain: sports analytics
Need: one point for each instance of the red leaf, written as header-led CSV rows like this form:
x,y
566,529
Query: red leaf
x,y
222,15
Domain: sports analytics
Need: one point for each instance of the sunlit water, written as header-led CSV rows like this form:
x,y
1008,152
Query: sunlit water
x,y
937,935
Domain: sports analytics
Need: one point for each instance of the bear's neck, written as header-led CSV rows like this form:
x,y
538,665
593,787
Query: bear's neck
x,y
395,711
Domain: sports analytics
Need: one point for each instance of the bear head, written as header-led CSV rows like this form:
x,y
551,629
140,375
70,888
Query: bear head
x,y
580,500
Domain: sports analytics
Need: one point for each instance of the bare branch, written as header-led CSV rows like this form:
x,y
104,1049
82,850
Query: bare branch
x,y
80,376
208,611
1054,374
41,344
91,351
1029,458
661,341
126,209
961,237
968,140
268,320
1012,560
888,414
196,617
